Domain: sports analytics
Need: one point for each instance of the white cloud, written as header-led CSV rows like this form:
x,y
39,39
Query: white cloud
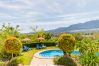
x,y
32,3
11,6
32,14
81,3
80,14
5,17
55,7
28,2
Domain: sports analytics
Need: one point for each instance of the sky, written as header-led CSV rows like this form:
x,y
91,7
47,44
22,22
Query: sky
x,y
47,14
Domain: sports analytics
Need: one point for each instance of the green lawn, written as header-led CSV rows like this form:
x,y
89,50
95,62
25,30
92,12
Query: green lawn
x,y
2,63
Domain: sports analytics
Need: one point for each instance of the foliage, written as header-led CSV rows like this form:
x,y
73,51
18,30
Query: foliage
x,y
88,44
8,30
89,59
78,36
2,63
1,52
34,37
41,33
47,36
28,56
13,45
15,61
66,42
22,36
88,49
65,60
5,56
52,39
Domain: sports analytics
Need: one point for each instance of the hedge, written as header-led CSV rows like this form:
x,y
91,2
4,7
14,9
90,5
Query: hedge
x,y
45,43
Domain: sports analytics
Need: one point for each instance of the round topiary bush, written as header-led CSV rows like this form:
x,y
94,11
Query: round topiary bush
x,y
13,45
66,42
65,60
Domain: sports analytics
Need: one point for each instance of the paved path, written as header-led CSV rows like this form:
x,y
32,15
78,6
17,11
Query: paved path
x,y
41,62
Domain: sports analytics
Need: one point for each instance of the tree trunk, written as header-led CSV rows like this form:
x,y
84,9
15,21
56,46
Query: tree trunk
x,y
69,54
65,53
12,55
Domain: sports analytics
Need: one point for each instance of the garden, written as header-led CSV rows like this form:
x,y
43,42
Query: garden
x,y
19,48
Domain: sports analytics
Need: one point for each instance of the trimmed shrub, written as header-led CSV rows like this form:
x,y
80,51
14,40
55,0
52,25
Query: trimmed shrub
x,y
65,60
66,42
45,43
13,45
15,61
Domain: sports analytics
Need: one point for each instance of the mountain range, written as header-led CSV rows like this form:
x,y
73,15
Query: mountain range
x,y
92,25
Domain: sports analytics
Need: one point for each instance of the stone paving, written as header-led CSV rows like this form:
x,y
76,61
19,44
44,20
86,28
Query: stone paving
x,y
41,62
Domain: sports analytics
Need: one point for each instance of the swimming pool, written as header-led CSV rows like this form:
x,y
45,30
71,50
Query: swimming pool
x,y
53,53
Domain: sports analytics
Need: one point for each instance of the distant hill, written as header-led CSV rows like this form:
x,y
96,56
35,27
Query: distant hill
x,y
87,26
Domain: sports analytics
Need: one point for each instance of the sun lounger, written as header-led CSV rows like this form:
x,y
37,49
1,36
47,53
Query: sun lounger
x,y
40,46
25,48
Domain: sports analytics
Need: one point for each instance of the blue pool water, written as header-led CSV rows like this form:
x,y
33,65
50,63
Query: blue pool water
x,y
52,53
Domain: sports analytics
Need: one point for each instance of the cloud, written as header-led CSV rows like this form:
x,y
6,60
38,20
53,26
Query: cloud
x,y
82,3
32,14
5,15
46,13
10,6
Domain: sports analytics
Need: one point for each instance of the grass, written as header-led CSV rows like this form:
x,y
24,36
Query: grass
x,y
27,56
2,63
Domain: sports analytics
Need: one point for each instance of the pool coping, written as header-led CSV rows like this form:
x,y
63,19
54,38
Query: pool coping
x,y
41,57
